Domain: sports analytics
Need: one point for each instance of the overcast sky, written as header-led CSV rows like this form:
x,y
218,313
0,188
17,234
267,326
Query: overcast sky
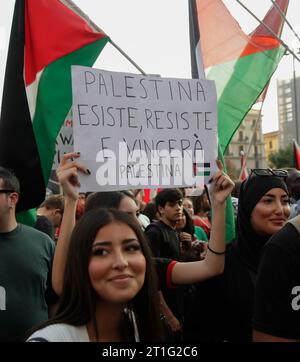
x,y
155,34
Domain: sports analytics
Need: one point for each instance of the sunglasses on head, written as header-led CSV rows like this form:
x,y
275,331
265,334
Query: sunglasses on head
x,y
269,172
6,191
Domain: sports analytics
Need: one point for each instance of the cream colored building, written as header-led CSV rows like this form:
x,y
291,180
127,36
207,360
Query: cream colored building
x,y
271,141
241,141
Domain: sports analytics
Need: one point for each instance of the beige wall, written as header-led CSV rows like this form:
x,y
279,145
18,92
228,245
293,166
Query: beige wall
x,y
271,141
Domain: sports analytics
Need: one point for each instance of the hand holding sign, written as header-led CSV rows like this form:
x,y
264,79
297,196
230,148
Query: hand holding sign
x,y
221,185
67,174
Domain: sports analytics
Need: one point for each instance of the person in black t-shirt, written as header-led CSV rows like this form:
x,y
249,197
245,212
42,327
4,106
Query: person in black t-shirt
x,y
49,215
277,297
165,243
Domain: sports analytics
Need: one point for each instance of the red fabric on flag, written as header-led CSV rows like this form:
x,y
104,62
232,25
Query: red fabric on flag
x,y
296,155
42,45
147,195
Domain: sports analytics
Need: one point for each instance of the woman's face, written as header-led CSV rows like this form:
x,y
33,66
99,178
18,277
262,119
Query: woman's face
x,y
188,205
128,205
117,265
271,212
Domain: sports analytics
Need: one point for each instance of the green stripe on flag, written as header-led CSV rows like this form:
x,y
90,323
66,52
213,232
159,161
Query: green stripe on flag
x,y
230,222
27,217
54,100
203,169
203,173
238,87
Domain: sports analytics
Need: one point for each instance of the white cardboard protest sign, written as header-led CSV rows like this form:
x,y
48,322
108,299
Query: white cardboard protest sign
x,y
64,141
136,131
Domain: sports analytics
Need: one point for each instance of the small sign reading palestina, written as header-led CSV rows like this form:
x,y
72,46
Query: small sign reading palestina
x,y
136,131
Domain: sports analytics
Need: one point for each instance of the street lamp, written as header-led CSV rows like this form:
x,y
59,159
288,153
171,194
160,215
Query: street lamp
x,y
296,51
295,95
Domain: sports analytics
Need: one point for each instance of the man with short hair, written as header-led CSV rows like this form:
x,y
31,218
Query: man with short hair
x,y
25,267
169,205
49,215
164,243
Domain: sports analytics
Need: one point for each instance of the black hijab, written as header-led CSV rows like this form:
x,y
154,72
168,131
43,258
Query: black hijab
x,y
248,243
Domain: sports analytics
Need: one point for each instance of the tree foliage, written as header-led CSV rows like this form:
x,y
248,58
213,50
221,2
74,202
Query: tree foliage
x,y
283,158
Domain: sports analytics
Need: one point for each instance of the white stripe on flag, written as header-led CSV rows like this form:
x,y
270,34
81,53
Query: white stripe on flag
x,y
31,93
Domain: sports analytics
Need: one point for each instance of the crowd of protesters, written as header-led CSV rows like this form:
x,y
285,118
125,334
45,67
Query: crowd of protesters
x,y
109,267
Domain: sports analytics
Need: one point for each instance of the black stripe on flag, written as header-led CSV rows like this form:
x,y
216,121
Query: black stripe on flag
x,y
202,169
194,36
18,150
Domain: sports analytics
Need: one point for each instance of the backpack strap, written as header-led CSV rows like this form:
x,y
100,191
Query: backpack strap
x,y
296,223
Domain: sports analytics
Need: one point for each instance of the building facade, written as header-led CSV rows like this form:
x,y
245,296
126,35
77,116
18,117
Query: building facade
x,y
250,128
288,92
271,141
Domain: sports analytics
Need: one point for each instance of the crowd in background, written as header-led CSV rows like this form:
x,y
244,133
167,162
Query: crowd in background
x,y
108,266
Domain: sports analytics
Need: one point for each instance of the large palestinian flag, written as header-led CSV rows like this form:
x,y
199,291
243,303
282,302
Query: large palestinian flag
x,y
240,64
47,37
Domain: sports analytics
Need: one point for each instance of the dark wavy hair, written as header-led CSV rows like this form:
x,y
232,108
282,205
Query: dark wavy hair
x,y
78,300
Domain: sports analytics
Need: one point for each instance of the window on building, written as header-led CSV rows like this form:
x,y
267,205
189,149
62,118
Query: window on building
x,y
241,136
270,145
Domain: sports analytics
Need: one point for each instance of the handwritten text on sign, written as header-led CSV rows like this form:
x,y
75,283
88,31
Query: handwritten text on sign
x,y
137,131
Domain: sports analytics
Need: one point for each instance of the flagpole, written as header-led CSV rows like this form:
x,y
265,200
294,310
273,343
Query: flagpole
x,y
126,56
269,29
252,139
96,28
285,19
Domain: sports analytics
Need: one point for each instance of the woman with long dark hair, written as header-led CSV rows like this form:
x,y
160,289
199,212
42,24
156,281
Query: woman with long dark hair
x,y
104,274
109,288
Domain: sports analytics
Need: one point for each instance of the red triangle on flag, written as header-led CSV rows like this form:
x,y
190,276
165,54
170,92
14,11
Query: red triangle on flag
x,y
296,155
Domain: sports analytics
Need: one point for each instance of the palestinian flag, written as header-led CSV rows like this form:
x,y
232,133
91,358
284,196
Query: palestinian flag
x,y
240,64
47,37
202,169
296,155
198,72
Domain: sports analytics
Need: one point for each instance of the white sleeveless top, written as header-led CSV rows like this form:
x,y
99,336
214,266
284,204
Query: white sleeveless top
x,y
60,333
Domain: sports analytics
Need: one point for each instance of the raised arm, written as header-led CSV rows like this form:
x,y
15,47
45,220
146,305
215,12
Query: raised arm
x,y
213,264
67,174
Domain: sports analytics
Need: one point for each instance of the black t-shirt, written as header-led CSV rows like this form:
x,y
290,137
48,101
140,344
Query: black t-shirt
x,y
164,243
45,225
164,268
223,306
163,240
277,298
